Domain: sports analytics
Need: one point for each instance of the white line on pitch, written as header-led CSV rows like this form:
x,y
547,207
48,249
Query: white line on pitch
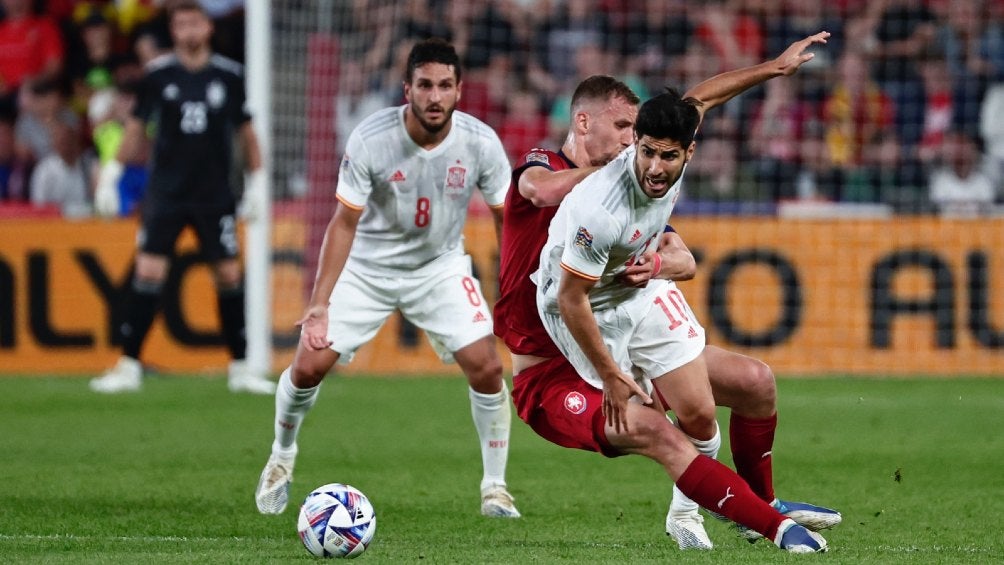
x,y
74,537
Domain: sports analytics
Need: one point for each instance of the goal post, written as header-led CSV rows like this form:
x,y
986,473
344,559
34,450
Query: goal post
x,y
258,239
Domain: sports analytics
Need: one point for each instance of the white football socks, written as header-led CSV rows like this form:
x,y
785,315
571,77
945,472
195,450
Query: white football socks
x,y
291,406
681,503
492,419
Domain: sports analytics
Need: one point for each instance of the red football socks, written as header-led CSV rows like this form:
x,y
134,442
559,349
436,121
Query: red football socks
x,y
752,440
715,487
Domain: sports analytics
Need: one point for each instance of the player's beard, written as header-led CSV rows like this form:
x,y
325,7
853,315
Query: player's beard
x,y
430,127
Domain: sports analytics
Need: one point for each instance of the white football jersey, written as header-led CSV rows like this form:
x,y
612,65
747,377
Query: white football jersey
x,y
604,224
414,200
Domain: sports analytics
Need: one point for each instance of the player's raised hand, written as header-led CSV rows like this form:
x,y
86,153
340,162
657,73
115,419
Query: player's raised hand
x,y
617,391
794,56
314,328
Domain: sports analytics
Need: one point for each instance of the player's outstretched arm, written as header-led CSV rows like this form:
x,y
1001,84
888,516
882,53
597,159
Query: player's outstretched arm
x,y
544,187
335,248
721,88
618,388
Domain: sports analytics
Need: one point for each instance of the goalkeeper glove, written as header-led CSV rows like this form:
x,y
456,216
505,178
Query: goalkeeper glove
x,y
106,193
255,199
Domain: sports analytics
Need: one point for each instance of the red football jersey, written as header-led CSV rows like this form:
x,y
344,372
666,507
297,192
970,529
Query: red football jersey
x,y
524,231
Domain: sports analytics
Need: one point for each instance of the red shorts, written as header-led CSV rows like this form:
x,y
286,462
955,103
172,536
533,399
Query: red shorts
x,y
561,407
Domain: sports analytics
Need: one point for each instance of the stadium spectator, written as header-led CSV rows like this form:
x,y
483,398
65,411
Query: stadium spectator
x,y
31,50
992,130
524,125
940,106
62,178
655,33
149,44
375,37
736,38
991,43
800,18
797,19
777,127
7,161
421,20
897,33
395,243
968,73
487,92
43,105
855,112
93,67
568,27
960,186
491,34
196,101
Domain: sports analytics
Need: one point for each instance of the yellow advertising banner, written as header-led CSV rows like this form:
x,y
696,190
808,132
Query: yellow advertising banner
x,y
60,284
889,297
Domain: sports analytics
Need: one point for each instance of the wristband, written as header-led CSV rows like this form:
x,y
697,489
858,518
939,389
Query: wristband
x,y
656,264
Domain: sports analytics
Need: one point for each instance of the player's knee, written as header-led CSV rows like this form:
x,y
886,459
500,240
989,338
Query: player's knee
x,y
486,377
308,371
764,383
698,421
760,390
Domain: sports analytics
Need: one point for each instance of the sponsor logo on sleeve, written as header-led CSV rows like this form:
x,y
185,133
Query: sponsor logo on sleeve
x,y
538,157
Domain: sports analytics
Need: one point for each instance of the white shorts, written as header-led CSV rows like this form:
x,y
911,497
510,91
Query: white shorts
x,y
443,299
647,337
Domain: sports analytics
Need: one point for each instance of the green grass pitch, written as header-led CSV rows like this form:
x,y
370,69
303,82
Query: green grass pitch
x,y
167,476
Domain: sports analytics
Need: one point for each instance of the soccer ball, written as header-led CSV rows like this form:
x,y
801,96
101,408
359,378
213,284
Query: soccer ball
x,y
336,520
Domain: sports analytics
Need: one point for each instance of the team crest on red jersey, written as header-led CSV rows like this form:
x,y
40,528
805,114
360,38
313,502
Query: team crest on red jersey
x,y
455,177
575,402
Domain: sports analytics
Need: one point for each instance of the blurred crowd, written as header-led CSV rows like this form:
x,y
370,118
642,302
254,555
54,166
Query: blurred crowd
x,y
68,77
904,107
